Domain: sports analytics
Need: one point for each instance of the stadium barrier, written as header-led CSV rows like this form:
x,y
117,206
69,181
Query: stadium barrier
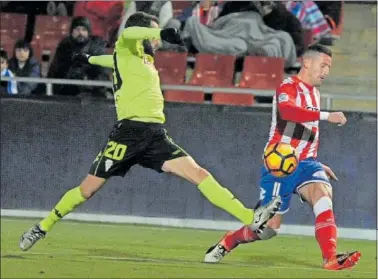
x,y
326,98
48,145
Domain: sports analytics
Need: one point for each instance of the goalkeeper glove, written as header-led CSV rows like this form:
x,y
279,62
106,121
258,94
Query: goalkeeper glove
x,y
171,35
81,57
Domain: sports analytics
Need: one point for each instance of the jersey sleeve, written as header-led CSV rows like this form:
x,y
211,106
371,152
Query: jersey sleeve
x,y
286,101
141,33
132,37
102,60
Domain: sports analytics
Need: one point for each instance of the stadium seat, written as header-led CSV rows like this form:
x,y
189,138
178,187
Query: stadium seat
x,y
213,70
258,73
12,28
171,67
262,72
48,32
233,99
184,96
210,70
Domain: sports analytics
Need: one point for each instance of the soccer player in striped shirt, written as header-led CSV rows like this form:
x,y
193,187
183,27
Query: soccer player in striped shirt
x,y
10,87
295,121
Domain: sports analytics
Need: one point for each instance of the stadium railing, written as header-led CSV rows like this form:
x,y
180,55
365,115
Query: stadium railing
x,y
327,104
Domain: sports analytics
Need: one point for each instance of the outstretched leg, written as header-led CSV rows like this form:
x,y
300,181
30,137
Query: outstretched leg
x,y
188,169
241,236
70,200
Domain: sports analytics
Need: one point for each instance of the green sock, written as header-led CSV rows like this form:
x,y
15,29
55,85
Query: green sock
x,y
67,203
224,199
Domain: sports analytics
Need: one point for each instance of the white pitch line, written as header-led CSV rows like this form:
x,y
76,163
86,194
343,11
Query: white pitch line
x,y
179,261
155,227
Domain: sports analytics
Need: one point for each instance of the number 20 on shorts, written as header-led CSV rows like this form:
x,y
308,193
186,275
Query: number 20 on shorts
x,y
115,151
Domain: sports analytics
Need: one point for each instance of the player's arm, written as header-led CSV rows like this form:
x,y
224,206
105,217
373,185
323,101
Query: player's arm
x,y
102,60
329,172
170,35
141,33
286,97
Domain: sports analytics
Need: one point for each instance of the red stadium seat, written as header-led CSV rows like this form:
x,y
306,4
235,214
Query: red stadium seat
x,y
184,96
12,28
233,99
213,70
171,67
210,70
258,73
262,72
48,32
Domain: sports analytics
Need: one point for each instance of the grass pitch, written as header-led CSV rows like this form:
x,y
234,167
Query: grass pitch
x,y
92,250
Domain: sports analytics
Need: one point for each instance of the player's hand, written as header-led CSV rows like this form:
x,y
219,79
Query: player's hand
x,y
172,36
80,57
337,117
329,172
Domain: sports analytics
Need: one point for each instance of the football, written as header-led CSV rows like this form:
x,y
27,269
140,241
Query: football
x,y
280,159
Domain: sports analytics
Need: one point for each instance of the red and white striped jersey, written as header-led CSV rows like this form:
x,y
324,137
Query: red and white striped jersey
x,y
295,117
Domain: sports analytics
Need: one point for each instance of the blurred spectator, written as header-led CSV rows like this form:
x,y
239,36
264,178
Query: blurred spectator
x,y
231,7
331,11
240,34
206,11
277,17
80,40
8,87
161,9
310,17
23,64
57,8
105,16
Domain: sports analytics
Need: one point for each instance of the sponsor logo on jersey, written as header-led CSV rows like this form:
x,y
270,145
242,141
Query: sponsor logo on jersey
x,y
312,108
108,164
320,174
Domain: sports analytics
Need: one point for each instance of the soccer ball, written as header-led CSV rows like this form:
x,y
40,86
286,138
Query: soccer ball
x,y
280,159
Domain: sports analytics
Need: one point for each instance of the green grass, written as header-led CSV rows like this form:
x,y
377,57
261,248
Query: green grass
x,y
89,250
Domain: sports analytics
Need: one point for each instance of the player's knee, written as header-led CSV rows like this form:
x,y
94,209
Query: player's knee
x,y
319,191
268,233
322,205
202,173
90,186
87,192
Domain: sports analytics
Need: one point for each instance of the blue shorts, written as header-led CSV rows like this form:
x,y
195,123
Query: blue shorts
x,y
308,171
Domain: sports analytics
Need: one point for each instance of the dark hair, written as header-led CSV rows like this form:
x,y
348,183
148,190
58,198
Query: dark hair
x,y
320,49
3,54
141,19
23,44
81,21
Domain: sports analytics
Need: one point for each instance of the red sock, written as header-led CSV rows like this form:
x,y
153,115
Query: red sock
x,y
326,233
242,235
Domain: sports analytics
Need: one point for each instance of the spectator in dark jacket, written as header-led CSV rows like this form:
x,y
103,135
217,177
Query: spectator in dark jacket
x,y
276,16
80,40
23,64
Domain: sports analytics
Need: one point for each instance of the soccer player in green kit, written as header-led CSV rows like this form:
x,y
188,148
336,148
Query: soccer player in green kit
x,y
139,137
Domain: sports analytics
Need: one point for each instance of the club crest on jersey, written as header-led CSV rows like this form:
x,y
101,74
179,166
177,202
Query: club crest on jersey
x,y
312,108
320,174
283,97
146,60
